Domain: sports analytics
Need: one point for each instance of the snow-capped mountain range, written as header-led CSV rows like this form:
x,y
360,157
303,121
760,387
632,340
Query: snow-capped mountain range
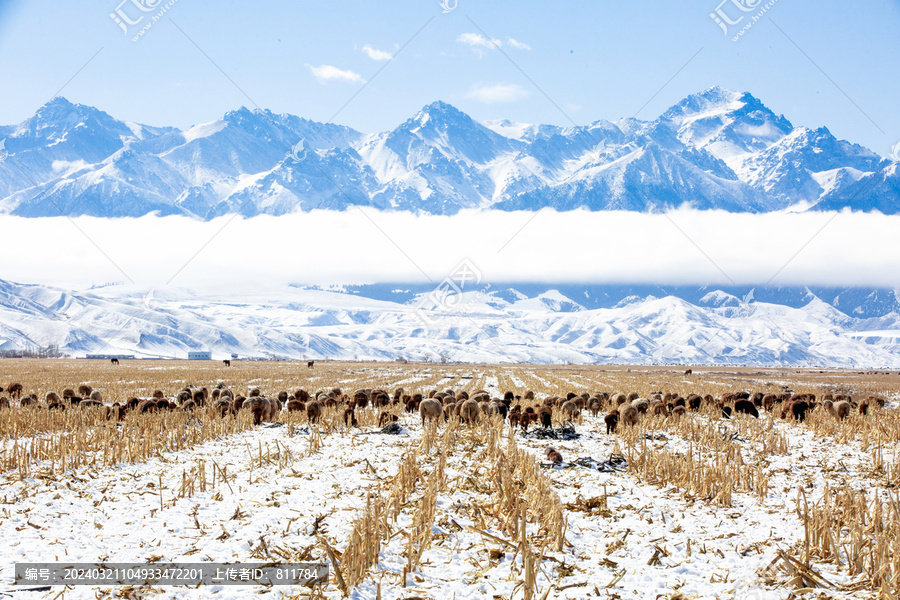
x,y
718,149
579,324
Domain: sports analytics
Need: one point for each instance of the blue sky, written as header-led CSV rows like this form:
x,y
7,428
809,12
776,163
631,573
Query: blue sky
x,y
826,63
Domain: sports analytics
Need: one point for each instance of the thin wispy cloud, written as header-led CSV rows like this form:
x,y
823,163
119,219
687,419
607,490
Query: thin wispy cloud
x,y
478,42
376,54
517,44
326,73
497,93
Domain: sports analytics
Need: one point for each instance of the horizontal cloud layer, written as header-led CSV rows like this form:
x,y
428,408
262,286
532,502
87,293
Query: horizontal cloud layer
x,y
367,246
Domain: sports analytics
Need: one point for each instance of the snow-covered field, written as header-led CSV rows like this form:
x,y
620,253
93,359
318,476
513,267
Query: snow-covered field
x,y
277,491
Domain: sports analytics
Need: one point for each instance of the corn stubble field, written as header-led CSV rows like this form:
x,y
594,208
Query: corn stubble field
x,y
677,502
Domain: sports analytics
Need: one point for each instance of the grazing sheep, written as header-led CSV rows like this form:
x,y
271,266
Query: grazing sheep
x,y
628,415
619,399
430,409
570,410
545,418
529,395
84,390
679,411
864,407
314,411
641,404
28,401
694,402
96,396
659,408
554,456
632,396
4,402
223,408
68,393
15,390
350,418
841,409
148,406
385,417
612,419
254,393
768,402
52,398
726,412
757,399
799,409
260,408
469,411
747,407
508,395
594,406
294,405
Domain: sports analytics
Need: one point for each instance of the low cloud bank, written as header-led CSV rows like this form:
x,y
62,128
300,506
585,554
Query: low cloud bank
x,y
368,246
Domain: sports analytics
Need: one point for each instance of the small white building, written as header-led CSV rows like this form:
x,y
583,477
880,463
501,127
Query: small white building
x,y
200,355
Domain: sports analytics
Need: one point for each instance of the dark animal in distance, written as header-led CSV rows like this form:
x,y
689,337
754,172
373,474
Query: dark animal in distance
x,y
114,361
688,372
226,362
310,364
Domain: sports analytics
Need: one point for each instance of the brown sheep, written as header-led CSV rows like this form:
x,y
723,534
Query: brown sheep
x,y
52,398
640,404
545,418
659,408
147,404
594,406
223,408
260,408
84,390
4,402
768,402
68,393
28,401
314,411
96,396
15,390
254,393
158,394
529,395
302,395
619,399
747,407
295,405
679,411
628,415
612,419
554,456
385,418
570,410
350,418
469,412
799,409
632,396
841,409
430,409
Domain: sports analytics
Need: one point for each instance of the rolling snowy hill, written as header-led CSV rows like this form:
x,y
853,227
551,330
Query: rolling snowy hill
x,y
848,328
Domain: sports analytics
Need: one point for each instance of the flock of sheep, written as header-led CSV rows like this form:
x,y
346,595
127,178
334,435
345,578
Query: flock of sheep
x,y
521,411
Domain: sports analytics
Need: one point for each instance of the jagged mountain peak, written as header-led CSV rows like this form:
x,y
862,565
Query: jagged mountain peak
x,y
718,148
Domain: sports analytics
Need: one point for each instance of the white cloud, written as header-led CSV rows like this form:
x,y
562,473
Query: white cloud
x,y
376,54
478,41
326,73
498,92
517,44
636,248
